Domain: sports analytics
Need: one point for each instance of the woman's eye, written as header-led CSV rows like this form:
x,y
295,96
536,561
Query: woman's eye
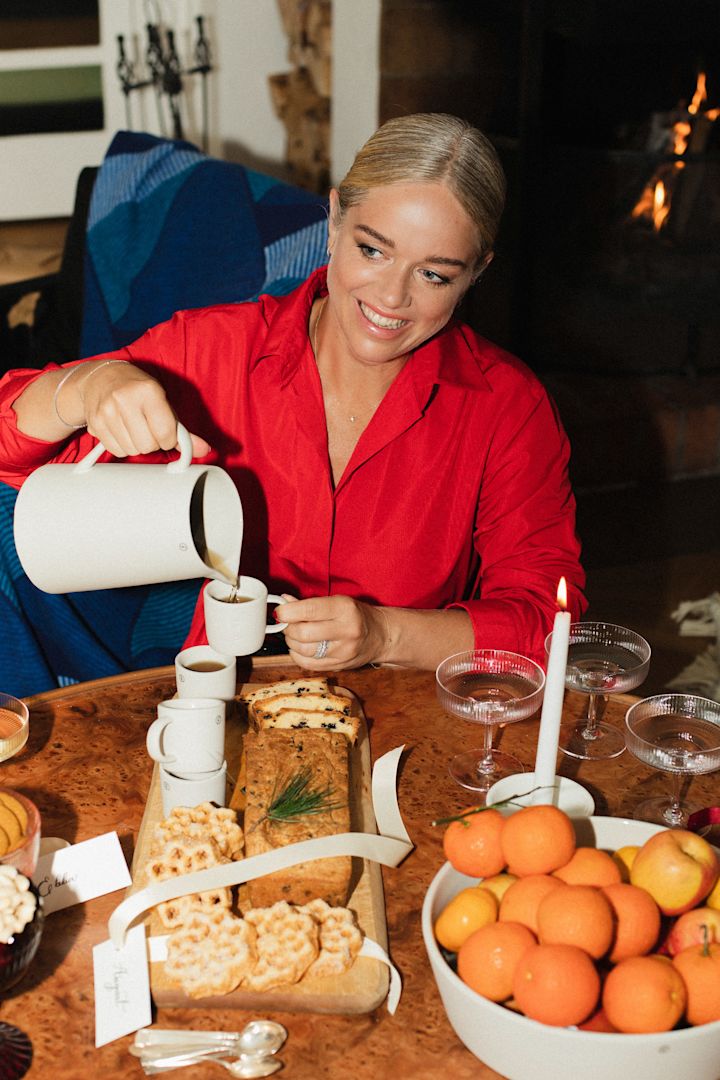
x,y
433,278
368,251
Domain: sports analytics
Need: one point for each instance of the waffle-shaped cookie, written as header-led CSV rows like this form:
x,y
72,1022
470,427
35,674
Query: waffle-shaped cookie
x,y
200,822
287,943
184,856
340,938
210,953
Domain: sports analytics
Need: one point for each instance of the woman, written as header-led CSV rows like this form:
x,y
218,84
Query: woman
x,y
403,481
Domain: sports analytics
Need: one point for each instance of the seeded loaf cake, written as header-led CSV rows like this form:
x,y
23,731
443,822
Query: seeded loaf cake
x,y
296,687
273,759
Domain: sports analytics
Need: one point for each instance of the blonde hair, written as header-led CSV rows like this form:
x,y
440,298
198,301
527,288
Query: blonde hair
x,y
433,148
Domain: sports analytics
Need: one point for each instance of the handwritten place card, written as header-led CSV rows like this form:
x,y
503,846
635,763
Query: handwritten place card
x,y
122,987
80,872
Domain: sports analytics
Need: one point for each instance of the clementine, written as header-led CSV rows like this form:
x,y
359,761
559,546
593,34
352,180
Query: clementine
x,y
644,994
637,921
520,902
590,866
498,884
537,840
699,967
488,958
556,984
467,911
625,857
576,915
598,1022
472,844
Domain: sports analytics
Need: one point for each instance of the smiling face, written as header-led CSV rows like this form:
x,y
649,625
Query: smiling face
x,y
402,259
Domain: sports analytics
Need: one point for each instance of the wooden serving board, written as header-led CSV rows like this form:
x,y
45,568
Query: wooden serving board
x,y
359,990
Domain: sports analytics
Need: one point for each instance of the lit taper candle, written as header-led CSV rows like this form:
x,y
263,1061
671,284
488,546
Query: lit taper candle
x,y
549,735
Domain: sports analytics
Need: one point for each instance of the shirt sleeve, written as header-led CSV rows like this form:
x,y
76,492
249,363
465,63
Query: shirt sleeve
x,y
162,346
525,531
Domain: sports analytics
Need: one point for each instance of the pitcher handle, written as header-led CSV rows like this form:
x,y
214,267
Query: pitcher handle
x,y
179,465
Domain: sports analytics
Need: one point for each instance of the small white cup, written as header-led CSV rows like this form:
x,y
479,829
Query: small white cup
x,y
188,736
181,791
201,672
239,628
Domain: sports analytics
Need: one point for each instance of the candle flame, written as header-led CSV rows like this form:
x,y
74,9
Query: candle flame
x,y
562,594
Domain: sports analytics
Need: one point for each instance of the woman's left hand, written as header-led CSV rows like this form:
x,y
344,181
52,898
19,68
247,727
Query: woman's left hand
x,y
326,632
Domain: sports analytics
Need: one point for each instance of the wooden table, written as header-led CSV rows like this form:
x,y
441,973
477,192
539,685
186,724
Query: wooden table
x,y
86,767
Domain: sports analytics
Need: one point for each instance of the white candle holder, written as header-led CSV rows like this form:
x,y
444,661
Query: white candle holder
x,y
566,794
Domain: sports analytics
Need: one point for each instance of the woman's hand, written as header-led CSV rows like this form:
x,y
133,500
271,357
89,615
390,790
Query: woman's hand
x,y
121,406
128,411
355,632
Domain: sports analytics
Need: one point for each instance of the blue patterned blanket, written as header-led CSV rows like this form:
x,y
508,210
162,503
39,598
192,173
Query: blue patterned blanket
x,y
168,228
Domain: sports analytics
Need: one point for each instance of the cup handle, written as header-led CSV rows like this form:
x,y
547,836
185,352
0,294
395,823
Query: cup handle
x,y
276,627
154,739
179,465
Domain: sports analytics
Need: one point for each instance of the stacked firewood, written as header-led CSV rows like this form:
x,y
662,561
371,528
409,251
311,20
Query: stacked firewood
x,y
301,97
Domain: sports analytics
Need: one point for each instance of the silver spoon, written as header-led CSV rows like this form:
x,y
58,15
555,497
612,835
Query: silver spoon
x,y
257,1037
244,1068
262,1037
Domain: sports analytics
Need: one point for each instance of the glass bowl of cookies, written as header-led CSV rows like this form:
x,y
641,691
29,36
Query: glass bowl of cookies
x,y
19,831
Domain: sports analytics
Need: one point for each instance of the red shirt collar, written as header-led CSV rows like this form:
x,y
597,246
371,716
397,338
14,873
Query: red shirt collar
x,y
454,356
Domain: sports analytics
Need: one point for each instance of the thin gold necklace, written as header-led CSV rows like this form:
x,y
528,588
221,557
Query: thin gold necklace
x,y
352,418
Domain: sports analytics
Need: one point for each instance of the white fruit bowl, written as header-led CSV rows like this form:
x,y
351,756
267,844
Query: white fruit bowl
x,y
520,1048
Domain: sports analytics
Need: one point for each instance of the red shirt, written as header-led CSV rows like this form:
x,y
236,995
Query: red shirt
x,y
457,491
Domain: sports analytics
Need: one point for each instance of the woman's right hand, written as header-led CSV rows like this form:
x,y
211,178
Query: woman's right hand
x,y
125,408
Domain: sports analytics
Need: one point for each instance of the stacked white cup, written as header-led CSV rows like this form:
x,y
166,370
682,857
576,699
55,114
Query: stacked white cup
x,y
187,739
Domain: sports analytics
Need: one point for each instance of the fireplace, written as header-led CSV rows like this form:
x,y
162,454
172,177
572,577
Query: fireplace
x,y
614,305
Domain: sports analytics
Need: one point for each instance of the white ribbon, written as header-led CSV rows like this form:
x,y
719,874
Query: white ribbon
x,y
387,850
157,953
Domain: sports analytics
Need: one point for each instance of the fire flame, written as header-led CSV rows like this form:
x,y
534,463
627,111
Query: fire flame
x,y
562,594
656,198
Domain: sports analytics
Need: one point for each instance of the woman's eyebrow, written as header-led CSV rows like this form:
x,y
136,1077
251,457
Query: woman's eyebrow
x,y
442,260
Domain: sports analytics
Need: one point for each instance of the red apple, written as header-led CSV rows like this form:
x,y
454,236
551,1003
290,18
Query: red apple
x,y
687,930
678,868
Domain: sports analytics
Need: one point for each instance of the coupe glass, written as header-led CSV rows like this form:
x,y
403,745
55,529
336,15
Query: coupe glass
x,y
488,687
680,735
602,659
14,725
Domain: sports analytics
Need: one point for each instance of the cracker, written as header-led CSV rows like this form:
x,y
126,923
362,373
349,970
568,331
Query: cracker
x,y
340,938
184,856
210,953
11,825
17,808
198,823
287,943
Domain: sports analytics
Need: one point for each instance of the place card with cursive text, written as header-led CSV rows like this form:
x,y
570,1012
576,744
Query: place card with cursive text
x,y
80,872
122,987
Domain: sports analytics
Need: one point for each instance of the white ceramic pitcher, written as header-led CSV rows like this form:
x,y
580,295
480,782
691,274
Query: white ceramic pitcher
x,y
87,526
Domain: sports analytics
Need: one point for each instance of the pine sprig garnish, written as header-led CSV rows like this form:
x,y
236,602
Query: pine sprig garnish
x,y
511,800
297,798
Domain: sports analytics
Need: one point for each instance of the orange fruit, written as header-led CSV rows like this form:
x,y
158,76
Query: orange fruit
x,y
498,884
576,915
644,994
713,898
537,840
488,958
520,902
556,984
472,844
625,857
598,1022
637,921
590,866
467,911
699,967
